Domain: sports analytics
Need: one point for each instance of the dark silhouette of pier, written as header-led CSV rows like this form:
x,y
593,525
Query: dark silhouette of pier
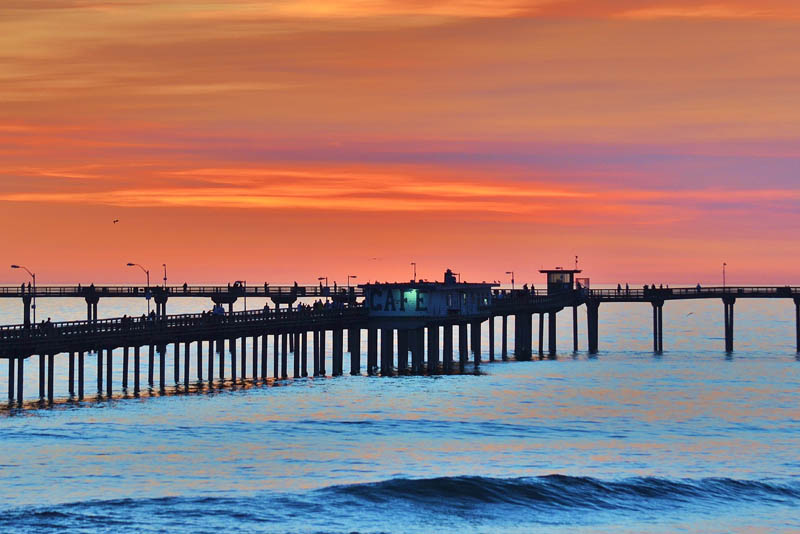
x,y
422,316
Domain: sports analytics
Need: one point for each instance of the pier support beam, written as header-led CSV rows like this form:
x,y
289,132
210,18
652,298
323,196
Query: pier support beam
x,y
658,327
372,350
433,348
200,359
463,349
136,369
186,363
354,347
575,329
285,354
221,352
504,345
211,353
592,315
20,379
41,376
162,367
552,337
51,360
447,347
276,354
522,336
296,361
416,343
729,302
151,358
232,350
402,350
541,336
11,382
125,357
338,351
491,338
304,353
81,356
264,353
387,351
99,372
176,364
71,374
797,322
109,371
316,353
475,341
322,343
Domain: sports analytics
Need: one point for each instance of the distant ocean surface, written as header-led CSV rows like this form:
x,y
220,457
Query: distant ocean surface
x,y
693,440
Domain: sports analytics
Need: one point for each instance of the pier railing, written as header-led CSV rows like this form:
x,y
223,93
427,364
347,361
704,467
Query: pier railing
x,y
178,291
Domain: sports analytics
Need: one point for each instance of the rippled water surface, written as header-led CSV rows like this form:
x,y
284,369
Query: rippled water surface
x,y
692,440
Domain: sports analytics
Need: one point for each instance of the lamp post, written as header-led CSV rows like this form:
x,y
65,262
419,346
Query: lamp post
x,y
723,274
165,274
33,275
414,264
147,291
512,279
321,278
349,276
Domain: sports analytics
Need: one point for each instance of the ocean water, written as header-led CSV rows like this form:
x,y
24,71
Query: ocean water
x,y
693,440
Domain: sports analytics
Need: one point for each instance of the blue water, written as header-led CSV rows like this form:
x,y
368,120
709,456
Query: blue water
x,y
693,440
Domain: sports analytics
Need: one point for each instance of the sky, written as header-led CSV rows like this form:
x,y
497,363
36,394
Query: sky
x,y
285,140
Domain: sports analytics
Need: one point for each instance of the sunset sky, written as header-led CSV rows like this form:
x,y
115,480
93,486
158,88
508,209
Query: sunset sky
x,y
291,139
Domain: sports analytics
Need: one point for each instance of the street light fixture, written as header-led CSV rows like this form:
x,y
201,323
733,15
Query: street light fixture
x,y
321,278
165,274
723,274
512,279
414,264
33,275
147,291
349,276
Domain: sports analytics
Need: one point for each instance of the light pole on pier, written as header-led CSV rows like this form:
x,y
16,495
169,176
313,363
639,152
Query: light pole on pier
x,y
33,275
147,291
414,265
321,278
512,279
723,274
349,276
165,274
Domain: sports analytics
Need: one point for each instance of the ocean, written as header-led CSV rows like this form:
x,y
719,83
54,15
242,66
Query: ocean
x,y
691,440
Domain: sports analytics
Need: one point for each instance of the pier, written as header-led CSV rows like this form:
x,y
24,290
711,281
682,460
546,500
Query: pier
x,y
415,327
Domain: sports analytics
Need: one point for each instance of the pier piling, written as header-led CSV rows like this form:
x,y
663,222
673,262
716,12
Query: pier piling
x,y
51,360
729,302
552,336
81,356
592,314
387,351
402,350
504,333
136,368
109,370
11,382
433,348
354,346
20,379
372,350
71,378
491,337
447,347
